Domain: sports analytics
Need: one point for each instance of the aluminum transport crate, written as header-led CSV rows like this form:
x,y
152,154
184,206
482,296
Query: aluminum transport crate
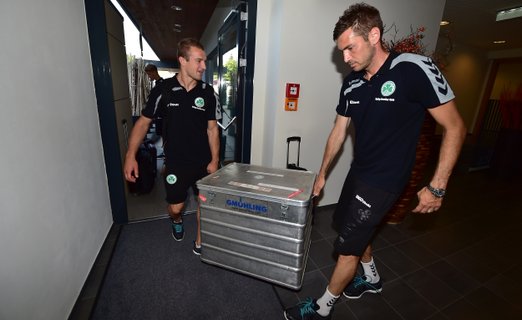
x,y
257,221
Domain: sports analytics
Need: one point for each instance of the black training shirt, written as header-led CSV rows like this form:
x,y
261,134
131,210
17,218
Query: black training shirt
x,y
388,112
187,115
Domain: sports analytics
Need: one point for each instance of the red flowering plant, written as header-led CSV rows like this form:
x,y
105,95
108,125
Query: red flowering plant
x,y
411,43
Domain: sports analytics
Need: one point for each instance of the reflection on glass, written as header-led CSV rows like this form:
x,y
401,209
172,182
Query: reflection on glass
x,y
228,94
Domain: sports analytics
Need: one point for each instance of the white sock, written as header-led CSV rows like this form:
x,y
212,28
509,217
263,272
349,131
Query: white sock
x,y
326,303
370,271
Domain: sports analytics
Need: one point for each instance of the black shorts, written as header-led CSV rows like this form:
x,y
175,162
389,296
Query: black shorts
x,y
178,179
357,215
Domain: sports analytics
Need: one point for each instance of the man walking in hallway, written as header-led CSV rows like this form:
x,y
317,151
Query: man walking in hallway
x,y
385,96
191,133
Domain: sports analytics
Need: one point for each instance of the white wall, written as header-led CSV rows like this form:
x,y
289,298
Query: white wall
x,y
508,79
294,44
505,54
467,75
54,204
468,71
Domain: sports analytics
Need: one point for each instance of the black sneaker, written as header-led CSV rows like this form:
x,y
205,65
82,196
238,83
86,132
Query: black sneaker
x,y
306,310
196,249
360,286
177,230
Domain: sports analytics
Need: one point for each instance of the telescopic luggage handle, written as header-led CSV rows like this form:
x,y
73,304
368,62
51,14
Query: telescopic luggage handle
x,y
294,138
294,166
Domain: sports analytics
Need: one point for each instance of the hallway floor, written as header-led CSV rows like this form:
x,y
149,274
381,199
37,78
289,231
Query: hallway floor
x,y
463,262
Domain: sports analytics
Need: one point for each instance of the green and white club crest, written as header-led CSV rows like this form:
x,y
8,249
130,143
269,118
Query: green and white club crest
x,y
388,88
171,179
200,102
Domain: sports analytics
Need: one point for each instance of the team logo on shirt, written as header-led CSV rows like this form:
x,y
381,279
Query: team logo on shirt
x,y
171,179
199,102
388,88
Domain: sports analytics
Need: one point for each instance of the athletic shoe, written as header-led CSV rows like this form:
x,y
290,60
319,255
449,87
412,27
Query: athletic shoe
x,y
360,286
306,310
196,249
177,230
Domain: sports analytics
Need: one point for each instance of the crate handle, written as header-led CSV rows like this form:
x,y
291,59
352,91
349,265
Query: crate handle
x,y
284,209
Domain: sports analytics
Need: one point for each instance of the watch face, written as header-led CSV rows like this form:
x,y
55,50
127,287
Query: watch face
x,y
439,193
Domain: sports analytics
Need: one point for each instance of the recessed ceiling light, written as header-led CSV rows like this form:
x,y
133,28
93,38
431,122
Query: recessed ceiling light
x,y
499,41
177,25
176,8
444,23
509,14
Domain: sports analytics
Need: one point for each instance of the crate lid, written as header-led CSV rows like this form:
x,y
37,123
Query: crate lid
x,y
284,185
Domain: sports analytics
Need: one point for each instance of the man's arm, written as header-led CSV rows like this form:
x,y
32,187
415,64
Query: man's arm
x,y
333,145
213,142
454,133
130,167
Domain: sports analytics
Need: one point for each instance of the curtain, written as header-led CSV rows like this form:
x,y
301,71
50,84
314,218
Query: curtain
x,y
139,84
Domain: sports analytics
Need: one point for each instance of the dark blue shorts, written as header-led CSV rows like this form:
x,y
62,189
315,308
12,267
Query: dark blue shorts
x,y
178,179
360,210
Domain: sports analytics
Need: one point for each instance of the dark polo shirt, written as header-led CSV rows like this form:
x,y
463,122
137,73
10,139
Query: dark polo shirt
x,y
187,115
388,112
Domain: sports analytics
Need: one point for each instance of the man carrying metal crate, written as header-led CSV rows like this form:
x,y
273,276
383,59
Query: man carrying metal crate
x,y
386,95
191,134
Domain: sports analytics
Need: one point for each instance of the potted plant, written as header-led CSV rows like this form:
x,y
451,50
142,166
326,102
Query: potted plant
x,y
412,43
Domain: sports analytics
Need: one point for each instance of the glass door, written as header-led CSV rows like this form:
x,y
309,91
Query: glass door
x,y
231,37
211,73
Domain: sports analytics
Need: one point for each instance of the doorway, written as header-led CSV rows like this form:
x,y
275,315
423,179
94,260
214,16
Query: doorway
x,y
233,82
230,72
235,34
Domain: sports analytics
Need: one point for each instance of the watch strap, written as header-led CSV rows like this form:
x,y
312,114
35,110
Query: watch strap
x,y
439,193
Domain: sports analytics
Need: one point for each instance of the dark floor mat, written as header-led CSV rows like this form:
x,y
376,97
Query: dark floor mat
x,y
152,276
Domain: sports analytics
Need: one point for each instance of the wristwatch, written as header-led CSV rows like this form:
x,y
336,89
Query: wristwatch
x,y
438,193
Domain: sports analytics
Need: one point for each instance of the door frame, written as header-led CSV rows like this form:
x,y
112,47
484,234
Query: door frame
x,y
249,79
99,47
95,12
246,35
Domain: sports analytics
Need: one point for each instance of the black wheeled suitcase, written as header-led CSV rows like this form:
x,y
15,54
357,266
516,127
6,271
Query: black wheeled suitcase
x,y
293,166
146,158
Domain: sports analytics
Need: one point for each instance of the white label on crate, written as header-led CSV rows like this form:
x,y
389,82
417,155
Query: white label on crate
x,y
277,187
249,186
266,173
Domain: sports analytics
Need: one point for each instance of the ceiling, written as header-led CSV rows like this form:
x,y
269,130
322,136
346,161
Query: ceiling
x,y
158,21
472,23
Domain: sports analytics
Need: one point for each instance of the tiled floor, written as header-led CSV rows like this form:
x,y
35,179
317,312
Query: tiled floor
x,y
463,262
